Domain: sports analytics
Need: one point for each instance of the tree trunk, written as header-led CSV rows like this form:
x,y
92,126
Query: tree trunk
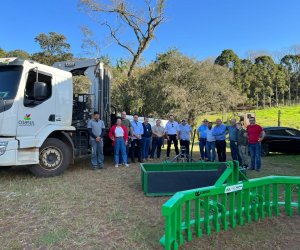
x,y
276,94
289,97
264,99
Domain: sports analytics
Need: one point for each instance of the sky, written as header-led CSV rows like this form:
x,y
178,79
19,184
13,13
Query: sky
x,y
198,28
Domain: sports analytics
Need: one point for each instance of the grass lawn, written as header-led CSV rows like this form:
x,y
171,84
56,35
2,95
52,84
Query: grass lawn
x,y
85,209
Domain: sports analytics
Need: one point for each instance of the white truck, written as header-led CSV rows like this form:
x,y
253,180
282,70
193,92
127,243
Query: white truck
x,y
41,124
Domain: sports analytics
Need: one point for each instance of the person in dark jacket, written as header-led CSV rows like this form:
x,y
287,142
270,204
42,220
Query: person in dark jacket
x,y
146,139
242,142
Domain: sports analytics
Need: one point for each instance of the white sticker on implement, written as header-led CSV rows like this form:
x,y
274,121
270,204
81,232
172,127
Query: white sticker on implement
x,y
233,188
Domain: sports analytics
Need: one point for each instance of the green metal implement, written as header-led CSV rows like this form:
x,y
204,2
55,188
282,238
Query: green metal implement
x,y
233,200
169,178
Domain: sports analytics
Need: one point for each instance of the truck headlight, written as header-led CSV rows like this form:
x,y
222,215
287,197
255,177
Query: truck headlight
x,y
3,145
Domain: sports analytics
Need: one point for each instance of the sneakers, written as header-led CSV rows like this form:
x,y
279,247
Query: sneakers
x,y
126,165
116,165
150,159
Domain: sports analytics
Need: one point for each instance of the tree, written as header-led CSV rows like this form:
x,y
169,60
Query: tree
x,y
54,48
231,61
142,23
184,86
265,75
2,53
228,59
18,53
53,44
292,64
81,84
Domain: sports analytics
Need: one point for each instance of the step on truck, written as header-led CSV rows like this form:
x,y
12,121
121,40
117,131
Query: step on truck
x,y
42,124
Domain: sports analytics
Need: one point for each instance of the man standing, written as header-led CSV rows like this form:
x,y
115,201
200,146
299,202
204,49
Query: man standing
x,y
158,133
184,134
96,129
210,143
136,139
128,126
146,138
219,131
255,135
202,139
172,134
242,145
233,134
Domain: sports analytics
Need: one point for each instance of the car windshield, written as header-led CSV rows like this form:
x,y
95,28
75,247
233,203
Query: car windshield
x,y
9,81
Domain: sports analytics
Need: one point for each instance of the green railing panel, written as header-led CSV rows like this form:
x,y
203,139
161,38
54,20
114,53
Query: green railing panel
x,y
233,201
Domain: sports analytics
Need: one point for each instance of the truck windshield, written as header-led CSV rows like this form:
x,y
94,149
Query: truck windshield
x,y
9,81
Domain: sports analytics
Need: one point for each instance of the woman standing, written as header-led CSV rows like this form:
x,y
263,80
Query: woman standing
x,y
119,135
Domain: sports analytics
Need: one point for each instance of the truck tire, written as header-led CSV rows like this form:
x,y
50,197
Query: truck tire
x,y
55,157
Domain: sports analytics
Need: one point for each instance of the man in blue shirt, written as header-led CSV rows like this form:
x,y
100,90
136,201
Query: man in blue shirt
x,y
146,138
184,134
233,138
202,139
219,131
172,132
136,139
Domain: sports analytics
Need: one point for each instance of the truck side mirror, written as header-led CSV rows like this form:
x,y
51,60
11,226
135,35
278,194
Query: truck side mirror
x,y
40,91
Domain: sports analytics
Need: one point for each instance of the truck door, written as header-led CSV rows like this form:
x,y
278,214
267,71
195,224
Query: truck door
x,y
34,115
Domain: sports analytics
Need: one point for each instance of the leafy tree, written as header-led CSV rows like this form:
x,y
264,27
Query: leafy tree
x,y
54,48
184,86
292,64
81,84
2,53
18,53
53,44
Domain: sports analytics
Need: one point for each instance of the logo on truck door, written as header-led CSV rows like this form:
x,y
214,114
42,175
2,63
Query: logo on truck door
x,y
26,122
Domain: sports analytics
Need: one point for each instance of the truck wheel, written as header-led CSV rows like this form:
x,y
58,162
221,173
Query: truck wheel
x,y
55,157
265,150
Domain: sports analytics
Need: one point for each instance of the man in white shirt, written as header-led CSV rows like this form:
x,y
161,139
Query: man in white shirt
x,y
172,135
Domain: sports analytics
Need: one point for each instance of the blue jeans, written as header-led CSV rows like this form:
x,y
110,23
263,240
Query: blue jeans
x,y
255,153
120,147
127,153
202,144
156,145
97,153
234,150
145,146
211,150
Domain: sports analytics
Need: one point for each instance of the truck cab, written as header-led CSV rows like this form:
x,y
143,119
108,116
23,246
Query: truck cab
x,y
36,125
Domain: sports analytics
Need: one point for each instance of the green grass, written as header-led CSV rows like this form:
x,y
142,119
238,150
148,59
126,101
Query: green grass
x,y
85,209
290,116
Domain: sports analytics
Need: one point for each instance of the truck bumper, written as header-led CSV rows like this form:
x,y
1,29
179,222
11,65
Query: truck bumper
x,y
8,153
11,155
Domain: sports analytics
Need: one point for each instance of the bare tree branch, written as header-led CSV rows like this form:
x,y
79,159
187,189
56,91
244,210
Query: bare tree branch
x,y
143,27
114,36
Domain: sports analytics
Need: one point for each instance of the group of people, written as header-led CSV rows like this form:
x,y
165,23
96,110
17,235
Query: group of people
x,y
132,139
212,139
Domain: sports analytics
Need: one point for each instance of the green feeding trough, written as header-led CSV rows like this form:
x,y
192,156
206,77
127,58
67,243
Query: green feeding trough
x,y
168,178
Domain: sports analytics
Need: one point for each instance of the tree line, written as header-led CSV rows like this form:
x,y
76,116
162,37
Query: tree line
x,y
263,81
182,85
